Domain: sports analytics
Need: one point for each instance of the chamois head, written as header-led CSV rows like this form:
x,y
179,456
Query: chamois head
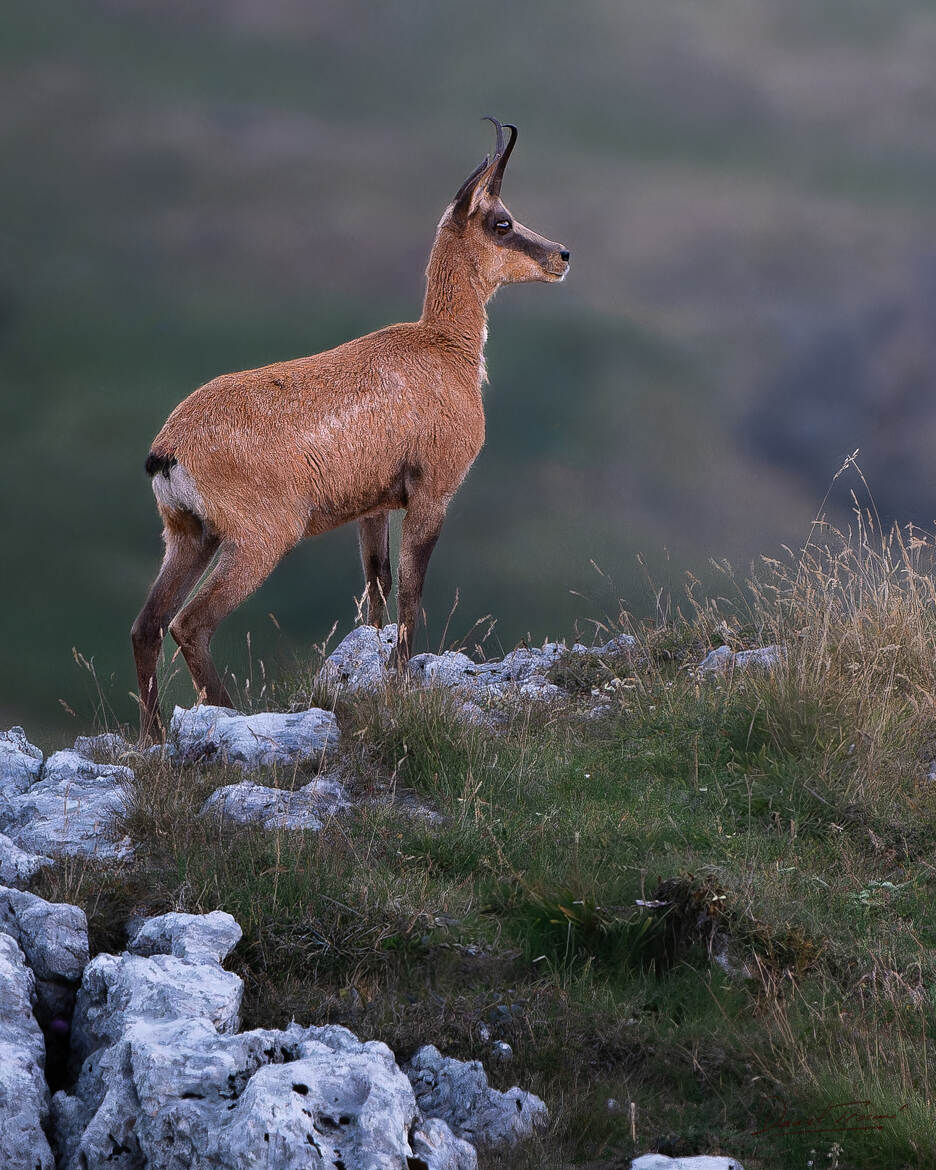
x,y
504,251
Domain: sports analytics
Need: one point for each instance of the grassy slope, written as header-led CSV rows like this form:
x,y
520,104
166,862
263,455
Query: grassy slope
x,y
783,818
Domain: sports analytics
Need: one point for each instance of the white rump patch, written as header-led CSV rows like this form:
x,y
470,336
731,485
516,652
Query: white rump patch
x,y
178,492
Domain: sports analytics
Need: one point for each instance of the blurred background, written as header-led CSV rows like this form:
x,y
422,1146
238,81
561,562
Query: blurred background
x,y
749,193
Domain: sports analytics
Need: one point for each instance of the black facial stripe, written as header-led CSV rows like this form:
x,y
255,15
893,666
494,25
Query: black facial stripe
x,y
531,248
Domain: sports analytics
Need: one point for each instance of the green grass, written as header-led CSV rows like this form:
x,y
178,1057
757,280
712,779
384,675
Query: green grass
x,y
782,819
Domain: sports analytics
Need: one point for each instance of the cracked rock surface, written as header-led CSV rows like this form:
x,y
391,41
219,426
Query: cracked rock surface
x,y
24,1095
68,809
266,740
278,808
166,1083
360,661
457,1092
18,866
52,935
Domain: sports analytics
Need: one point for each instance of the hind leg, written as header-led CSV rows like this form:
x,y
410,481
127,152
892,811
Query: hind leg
x,y
188,552
374,537
238,572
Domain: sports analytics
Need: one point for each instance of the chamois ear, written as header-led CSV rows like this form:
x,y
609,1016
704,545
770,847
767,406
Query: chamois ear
x,y
461,204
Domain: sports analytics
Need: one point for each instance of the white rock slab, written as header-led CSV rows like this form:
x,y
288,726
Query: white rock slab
x,y
107,748
360,661
179,1094
218,735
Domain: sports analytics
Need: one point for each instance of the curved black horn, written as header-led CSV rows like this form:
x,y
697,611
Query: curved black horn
x,y
462,201
500,134
500,159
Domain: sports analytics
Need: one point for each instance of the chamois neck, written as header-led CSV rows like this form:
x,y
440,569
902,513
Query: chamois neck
x,y
455,293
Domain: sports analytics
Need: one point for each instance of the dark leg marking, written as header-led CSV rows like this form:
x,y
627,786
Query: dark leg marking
x,y
374,537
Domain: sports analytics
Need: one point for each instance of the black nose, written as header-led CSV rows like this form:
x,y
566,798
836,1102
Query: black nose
x,y
564,254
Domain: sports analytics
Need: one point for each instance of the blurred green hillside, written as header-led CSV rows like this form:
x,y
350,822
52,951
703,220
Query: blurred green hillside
x,y
747,190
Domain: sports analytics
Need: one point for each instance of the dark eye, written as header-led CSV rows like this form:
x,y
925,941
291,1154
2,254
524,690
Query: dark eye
x,y
503,226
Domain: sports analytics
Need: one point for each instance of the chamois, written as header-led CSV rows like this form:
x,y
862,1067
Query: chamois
x,y
251,463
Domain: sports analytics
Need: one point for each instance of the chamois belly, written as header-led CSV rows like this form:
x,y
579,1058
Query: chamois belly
x,y
350,497
347,486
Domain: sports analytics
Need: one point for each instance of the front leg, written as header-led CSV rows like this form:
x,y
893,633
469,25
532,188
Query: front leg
x,y
374,537
421,527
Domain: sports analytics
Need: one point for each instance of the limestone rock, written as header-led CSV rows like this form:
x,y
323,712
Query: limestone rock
x,y
359,661
457,1092
440,1149
17,866
268,739
718,659
20,765
122,995
470,712
519,665
540,689
24,1095
723,658
52,935
277,808
702,1162
765,657
178,1094
108,748
187,936
449,669
118,990
70,810
620,644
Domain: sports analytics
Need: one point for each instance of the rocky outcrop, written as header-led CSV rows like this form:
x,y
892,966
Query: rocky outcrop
x,y
167,1083
180,1095
277,808
266,740
24,1094
54,940
457,1092
360,663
